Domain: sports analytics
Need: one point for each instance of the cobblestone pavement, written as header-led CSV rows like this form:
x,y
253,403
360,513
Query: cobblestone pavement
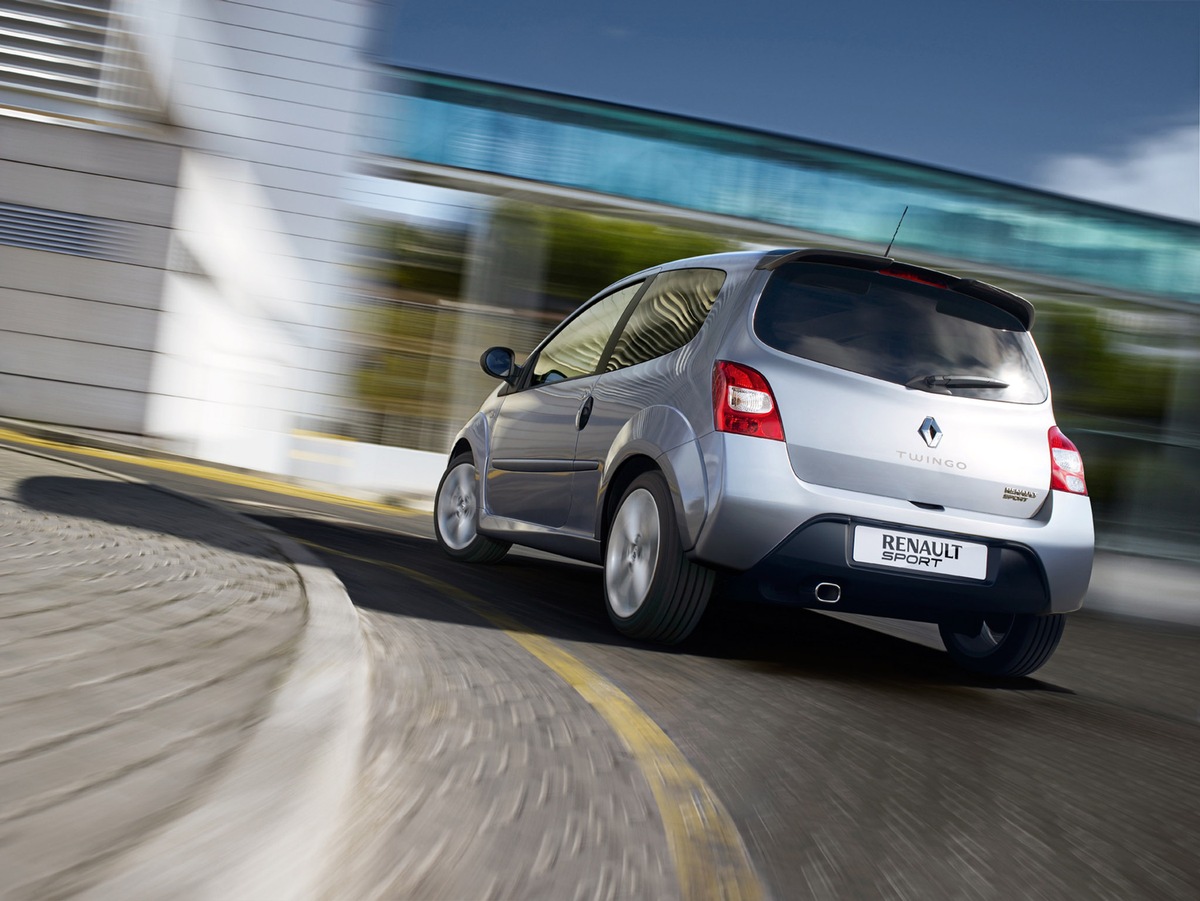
x,y
141,637
486,776
144,640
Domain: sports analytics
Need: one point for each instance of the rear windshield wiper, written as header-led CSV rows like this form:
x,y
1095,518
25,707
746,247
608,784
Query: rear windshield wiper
x,y
943,383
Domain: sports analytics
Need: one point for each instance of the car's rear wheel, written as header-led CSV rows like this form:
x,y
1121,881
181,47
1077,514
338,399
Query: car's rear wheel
x,y
653,591
1011,644
456,515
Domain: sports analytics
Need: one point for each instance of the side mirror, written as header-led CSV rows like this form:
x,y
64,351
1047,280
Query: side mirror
x,y
499,363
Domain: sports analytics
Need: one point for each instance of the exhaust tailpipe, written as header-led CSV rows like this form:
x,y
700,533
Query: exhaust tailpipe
x,y
828,592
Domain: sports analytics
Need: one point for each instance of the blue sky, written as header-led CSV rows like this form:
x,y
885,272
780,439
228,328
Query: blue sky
x,y
1095,98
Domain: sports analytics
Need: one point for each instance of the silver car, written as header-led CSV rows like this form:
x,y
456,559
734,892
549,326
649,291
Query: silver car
x,y
817,428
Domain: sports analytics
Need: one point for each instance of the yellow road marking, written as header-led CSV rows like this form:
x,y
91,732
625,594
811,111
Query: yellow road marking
x,y
709,856
324,436
706,849
210,473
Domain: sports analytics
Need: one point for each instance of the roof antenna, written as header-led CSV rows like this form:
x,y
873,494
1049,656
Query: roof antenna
x,y
896,232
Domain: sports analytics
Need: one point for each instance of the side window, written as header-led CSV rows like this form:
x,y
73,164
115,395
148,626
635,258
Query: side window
x,y
668,316
576,349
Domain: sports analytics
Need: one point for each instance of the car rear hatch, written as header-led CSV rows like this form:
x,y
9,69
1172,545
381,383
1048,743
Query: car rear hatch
x,y
906,383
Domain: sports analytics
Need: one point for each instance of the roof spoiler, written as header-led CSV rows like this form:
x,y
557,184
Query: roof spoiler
x,y
1011,303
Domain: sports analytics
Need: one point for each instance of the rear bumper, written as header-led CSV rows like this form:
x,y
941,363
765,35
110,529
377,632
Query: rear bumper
x,y
776,537
819,552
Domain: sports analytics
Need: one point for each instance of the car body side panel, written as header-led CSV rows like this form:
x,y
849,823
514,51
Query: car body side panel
x,y
629,417
477,433
530,466
663,435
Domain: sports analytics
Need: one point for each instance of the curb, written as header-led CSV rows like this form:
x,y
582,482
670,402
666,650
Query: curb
x,y
1145,588
264,828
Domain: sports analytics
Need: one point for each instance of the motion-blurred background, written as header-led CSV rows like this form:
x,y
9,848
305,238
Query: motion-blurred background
x,y
277,234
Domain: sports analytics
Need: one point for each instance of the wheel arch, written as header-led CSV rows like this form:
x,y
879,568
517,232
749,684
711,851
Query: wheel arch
x,y
628,470
456,508
658,439
473,438
461,446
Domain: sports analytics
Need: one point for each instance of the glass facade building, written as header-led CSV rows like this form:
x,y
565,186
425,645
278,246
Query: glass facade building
x,y
714,169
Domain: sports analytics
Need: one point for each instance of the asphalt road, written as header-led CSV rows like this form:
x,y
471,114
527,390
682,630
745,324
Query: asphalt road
x,y
854,764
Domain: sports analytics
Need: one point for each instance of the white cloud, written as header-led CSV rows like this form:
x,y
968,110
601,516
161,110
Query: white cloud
x,y
1155,174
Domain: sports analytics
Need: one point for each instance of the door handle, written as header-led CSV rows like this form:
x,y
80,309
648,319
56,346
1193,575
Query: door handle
x,y
584,414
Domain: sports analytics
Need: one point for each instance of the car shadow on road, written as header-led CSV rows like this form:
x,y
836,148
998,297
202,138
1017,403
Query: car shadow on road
x,y
147,510
409,576
564,600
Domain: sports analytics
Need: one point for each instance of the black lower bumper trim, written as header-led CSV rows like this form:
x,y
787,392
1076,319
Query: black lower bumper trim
x,y
819,552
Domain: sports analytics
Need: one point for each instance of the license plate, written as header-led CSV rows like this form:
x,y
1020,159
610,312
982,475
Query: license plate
x,y
920,553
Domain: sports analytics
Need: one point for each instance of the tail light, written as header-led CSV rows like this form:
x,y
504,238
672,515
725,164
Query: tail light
x,y
1066,464
743,403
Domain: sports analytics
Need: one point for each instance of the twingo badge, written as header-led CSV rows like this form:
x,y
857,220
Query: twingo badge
x,y
1019,494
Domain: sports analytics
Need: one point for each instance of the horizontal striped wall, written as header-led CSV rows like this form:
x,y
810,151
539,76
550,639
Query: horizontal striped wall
x,y
85,219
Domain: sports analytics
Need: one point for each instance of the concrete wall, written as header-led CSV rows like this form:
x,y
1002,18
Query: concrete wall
x,y
266,98
85,220
211,311
374,470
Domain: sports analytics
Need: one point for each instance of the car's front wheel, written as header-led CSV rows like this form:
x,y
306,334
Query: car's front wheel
x,y
653,591
1004,645
456,515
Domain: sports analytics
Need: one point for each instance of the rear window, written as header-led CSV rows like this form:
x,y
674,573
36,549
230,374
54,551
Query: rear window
x,y
900,331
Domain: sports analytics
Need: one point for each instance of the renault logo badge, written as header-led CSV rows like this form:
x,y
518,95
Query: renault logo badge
x,y
931,431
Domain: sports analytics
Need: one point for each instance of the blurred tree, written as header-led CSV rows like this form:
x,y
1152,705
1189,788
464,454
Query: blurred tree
x,y
1093,375
412,258
406,381
1110,399
587,252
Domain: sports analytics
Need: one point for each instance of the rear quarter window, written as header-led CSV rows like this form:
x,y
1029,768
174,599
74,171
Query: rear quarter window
x,y
668,316
899,331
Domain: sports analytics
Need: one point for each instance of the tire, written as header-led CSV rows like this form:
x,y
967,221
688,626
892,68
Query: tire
x,y
456,515
1004,645
651,590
